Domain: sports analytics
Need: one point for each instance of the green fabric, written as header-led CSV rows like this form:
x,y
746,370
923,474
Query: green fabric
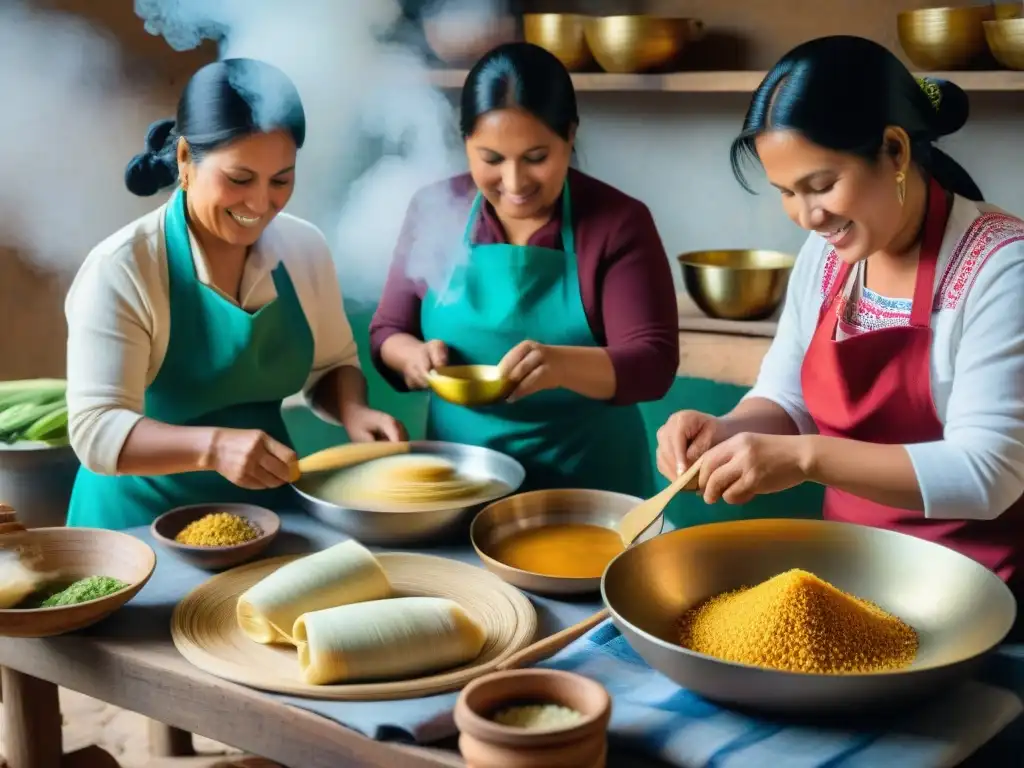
x,y
498,296
224,367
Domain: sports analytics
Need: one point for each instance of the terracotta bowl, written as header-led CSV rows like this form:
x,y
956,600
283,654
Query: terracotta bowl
x,y
487,744
73,554
171,523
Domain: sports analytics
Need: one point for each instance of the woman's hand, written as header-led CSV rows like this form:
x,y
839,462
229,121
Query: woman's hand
x,y
531,368
365,425
748,465
250,458
427,356
684,438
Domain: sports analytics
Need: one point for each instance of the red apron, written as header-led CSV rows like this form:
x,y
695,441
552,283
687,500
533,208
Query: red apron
x,y
876,387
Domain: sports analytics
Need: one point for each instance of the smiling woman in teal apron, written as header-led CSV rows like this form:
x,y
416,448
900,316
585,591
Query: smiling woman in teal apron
x,y
556,277
188,327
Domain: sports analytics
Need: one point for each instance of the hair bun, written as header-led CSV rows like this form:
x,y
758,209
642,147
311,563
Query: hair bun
x,y
158,134
953,109
148,173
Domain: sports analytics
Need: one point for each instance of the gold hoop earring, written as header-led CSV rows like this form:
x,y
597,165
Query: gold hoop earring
x,y
901,187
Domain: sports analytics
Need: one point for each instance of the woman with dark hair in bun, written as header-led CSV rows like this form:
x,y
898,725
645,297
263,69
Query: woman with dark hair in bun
x,y
896,378
188,327
558,278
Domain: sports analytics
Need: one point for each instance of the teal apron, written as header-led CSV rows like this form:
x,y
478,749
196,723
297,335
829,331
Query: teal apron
x,y
505,294
224,367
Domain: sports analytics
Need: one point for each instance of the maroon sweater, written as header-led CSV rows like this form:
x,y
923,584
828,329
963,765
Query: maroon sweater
x,y
625,282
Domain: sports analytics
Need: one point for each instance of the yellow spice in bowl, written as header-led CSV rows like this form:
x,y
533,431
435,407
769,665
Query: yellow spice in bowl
x,y
799,623
218,529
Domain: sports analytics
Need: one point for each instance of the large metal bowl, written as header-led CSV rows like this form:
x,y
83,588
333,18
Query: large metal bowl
x,y
562,35
536,509
960,609
627,44
737,284
1006,41
401,528
945,38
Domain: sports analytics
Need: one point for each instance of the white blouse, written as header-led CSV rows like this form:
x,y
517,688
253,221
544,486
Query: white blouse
x,y
118,315
977,357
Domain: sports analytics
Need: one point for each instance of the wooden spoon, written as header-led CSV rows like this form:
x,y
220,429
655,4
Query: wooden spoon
x,y
552,644
640,518
341,456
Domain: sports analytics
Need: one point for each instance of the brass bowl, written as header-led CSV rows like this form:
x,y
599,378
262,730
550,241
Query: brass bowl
x,y
627,44
469,384
460,39
562,35
1006,41
945,38
736,284
536,509
960,609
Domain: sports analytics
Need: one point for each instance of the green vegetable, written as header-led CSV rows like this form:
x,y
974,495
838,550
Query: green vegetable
x,y
83,590
34,409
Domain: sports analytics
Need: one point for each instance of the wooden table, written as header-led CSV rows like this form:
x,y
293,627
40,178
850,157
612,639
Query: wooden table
x,y
151,678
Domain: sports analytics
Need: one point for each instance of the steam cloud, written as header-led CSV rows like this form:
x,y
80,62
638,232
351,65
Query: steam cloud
x,y
71,123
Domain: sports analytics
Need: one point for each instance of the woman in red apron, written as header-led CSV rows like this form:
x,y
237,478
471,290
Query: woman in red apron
x,y
896,378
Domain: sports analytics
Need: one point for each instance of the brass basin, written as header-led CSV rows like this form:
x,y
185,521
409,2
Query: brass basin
x,y
562,35
959,609
1005,39
949,38
628,44
736,284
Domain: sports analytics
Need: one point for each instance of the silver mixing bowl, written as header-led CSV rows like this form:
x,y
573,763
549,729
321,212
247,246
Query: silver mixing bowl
x,y
401,528
536,509
960,609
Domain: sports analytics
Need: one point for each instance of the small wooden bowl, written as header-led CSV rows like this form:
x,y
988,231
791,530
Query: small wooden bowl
x,y
171,523
73,554
487,744
469,384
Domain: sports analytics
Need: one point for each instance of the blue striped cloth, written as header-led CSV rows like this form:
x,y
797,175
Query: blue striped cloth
x,y
651,714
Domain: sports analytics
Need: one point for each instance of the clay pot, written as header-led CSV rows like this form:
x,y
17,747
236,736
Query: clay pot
x,y
487,744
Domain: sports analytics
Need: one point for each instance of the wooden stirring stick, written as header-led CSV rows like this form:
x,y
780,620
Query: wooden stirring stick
x,y
341,456
552,644
640,518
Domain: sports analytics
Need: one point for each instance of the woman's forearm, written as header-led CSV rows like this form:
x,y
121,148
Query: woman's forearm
x,y
759,415
340,391
587,371
396,350
154,448
877,472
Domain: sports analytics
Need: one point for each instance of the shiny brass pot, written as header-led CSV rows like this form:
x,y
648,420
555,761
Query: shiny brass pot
x,y
736,284
561,34
627,44
960,609
947,38
1006,41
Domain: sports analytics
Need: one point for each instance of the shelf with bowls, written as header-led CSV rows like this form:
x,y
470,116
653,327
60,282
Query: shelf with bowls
x,y
731,82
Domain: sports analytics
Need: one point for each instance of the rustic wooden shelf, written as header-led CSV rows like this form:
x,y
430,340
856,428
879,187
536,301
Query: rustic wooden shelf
x,y
731,82
692,319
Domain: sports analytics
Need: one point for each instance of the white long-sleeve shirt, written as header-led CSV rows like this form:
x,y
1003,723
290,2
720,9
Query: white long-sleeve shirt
x,y
977,357
118,314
